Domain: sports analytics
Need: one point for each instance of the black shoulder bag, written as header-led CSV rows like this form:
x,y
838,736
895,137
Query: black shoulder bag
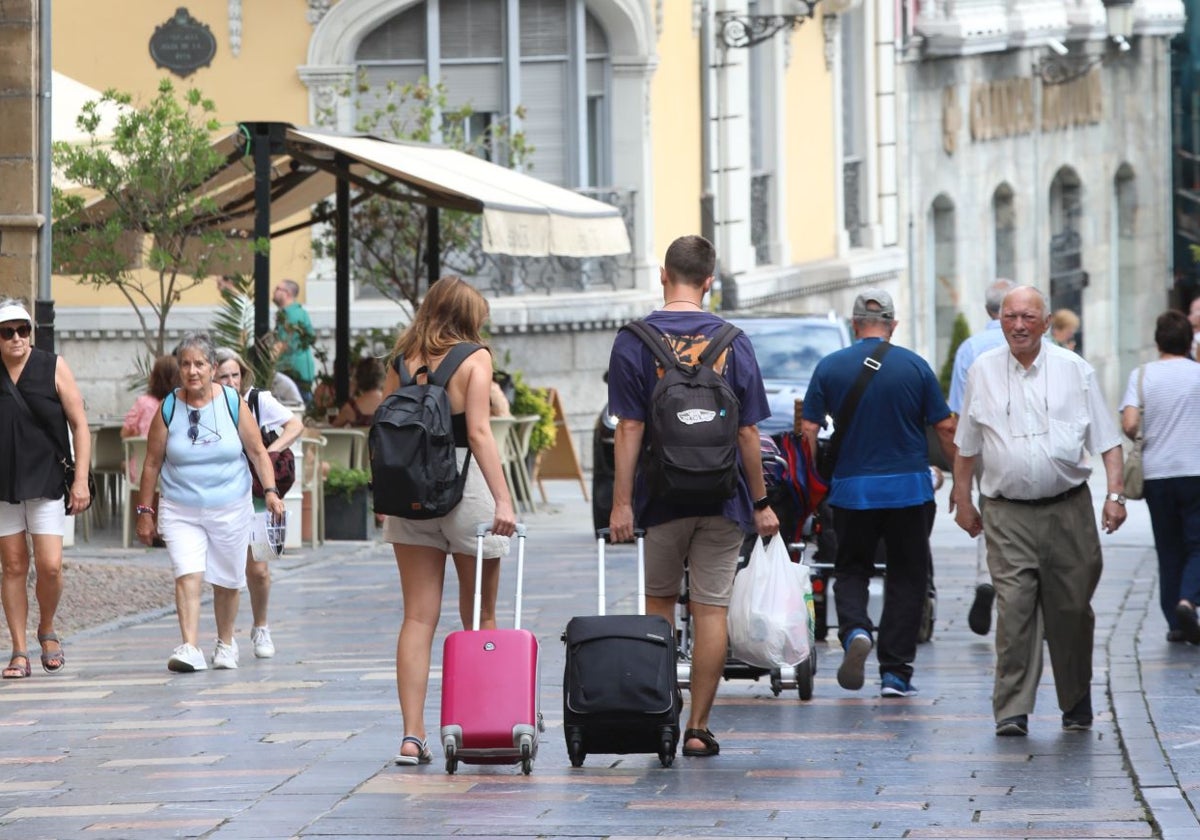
x,y
827,455
68,463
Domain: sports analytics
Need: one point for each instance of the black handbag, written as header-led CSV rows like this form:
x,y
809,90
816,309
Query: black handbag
x,y
68,463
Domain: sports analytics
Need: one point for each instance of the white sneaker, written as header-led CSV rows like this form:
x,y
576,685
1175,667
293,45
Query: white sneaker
x,y
264,648
187,658
225,656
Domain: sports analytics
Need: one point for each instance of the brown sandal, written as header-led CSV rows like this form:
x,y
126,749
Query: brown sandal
x,y
15,671
55,660
711,747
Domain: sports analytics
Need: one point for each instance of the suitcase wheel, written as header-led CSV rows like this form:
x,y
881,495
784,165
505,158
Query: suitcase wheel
x,y
451,756
804,678
526,766
576,752
666,752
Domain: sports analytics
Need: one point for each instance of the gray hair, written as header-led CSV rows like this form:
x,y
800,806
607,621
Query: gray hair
x,y
293,288
224,354
993,298
1045,301
197,341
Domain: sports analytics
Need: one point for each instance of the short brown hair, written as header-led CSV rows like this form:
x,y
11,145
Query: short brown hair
x,y
164,376
691,259
1173,333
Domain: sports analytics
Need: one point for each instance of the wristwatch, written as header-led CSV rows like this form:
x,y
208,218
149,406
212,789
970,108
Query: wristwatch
x,y
762,504
1119,498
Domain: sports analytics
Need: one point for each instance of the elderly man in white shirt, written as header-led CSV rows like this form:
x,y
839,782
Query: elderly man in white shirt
x,y
979,618
1031,414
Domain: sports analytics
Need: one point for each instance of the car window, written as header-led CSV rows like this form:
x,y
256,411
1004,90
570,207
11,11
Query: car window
x,y
791,350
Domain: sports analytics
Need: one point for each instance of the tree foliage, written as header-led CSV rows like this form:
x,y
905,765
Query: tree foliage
x,y
154,244
232,326
388,236
960,333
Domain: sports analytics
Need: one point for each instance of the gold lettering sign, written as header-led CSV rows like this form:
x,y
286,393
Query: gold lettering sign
x,y
1074,103
1001,109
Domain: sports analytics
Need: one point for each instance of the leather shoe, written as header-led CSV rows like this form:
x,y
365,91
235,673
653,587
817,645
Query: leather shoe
x,y
1079,718
1016,725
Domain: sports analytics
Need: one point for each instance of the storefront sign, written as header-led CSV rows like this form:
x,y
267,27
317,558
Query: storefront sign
x,y
1006,108
183,44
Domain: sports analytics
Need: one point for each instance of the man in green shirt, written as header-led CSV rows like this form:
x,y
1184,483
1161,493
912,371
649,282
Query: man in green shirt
x,y
294,338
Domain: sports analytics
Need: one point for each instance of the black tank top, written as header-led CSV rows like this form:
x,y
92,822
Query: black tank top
x,y
31,448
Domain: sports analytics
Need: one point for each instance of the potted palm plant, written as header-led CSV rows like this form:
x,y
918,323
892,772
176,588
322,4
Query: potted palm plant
x,y
347,505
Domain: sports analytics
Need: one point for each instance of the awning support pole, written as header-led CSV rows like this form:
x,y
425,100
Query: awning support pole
x,y
266,139
433,245
341,337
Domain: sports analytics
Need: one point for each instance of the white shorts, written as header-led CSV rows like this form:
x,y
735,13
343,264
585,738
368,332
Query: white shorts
x,y
209,540
41,517
454,533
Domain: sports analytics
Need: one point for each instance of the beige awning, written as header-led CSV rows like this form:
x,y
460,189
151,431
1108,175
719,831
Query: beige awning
x,y
522,215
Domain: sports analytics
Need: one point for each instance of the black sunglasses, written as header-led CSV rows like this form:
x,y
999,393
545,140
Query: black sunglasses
x,y
7,333
193,424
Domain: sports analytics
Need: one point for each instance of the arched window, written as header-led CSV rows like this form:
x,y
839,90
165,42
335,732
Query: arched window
x,y
1067,276
945,273
1004,226
548,57
1131,320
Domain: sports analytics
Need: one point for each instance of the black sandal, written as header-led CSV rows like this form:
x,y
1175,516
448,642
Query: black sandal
x,y
711,747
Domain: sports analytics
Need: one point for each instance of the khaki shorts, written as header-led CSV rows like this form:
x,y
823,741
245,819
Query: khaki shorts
x,y
710,544
453,533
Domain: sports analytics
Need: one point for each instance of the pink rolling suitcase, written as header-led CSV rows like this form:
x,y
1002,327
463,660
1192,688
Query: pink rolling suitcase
x,y
491,706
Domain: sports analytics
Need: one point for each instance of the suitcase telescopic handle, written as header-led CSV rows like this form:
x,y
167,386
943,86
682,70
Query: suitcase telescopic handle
x,y
639,535
482,529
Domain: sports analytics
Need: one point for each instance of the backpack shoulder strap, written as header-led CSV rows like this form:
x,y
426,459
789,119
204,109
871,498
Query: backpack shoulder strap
x,y
232,402
457,355
655,340
167,409
402,371
718,343
252,401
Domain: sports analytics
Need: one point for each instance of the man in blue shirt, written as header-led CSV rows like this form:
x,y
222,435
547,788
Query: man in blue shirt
x,y
979,618
709,535
881,489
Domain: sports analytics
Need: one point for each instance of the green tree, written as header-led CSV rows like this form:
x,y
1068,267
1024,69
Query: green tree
x,y
145,174
388,235
961,332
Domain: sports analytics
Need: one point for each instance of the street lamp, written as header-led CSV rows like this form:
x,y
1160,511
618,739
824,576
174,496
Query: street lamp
x,y
1119,17
1063,67
745,30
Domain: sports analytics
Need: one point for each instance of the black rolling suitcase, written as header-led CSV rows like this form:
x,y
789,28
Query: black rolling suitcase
x,y
620,693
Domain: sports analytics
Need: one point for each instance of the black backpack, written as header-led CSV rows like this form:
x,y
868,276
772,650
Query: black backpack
x,y
414,471
692,422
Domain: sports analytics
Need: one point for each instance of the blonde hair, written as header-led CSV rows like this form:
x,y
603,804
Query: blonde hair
x,y
1064,319
224,354
452,312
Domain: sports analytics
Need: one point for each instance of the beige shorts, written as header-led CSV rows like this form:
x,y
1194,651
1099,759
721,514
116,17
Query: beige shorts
x,y
454,533
710,544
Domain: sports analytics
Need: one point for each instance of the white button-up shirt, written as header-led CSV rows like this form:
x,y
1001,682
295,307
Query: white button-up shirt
x,y
1033,428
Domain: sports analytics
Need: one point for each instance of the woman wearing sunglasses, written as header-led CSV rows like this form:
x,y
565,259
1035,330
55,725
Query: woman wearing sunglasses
x,y
38,400
195,446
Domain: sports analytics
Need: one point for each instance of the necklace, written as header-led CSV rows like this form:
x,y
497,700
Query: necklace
x,y
683,300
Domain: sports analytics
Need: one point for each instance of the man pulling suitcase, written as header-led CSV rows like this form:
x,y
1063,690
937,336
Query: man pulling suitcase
x,y
704,520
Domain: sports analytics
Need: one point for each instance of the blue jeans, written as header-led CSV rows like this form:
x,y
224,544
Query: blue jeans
x,y
1175,517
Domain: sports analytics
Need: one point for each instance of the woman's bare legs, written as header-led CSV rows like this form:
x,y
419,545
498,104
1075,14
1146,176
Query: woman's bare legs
x,y
14,558
47,559
464,565
187,606
422,575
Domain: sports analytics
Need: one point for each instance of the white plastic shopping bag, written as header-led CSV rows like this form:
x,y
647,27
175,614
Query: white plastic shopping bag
x,y
769,611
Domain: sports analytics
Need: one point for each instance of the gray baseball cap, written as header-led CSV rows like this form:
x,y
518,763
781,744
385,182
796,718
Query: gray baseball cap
x,y
886,310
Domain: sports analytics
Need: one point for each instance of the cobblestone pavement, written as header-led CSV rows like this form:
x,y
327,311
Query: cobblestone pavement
x,y
301,745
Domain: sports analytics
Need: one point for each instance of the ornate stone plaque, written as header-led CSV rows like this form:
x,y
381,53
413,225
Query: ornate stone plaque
x,y
183,44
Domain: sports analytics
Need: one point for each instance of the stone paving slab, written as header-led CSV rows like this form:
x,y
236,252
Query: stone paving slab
x,y
301,745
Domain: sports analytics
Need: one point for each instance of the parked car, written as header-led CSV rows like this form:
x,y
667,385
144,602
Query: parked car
x,y
787,347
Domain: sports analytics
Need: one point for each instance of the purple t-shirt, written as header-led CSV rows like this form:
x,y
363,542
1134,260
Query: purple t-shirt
x,y
632,375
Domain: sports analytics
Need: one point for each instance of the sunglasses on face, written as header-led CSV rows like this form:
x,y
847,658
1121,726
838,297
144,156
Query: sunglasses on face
x,y
7,333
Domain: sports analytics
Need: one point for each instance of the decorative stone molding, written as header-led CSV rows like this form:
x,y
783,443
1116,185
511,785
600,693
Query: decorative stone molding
x,y
1158,17
658,17
829,30
317,10
963,27
235,27
324,84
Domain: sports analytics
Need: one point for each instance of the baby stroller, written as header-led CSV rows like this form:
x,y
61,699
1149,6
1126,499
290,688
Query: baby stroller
x,y
800,676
